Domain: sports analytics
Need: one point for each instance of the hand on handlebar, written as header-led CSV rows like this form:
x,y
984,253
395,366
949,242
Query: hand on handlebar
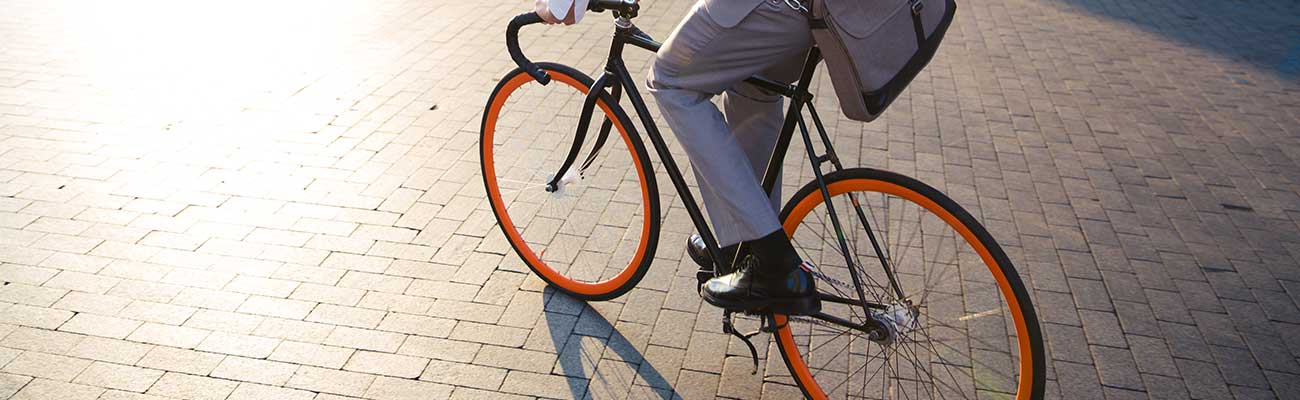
x,y
543,8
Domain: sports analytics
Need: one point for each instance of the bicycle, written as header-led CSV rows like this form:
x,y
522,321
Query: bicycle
x,y
574,227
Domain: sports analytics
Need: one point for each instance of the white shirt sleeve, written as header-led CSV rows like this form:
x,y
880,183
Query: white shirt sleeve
x,y
560,9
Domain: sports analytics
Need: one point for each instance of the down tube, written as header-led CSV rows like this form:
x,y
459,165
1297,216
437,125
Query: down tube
x,y
674,173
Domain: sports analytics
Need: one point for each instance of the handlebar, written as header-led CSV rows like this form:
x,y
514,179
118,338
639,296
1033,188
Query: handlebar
x,y
621,9
512,45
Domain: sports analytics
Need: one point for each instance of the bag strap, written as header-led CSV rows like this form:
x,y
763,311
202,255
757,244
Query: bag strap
x,y
810,9
917,6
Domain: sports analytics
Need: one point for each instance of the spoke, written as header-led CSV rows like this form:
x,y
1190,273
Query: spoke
x,y
851,374
941,275
955,264
910,241
927,372
884,237
832,339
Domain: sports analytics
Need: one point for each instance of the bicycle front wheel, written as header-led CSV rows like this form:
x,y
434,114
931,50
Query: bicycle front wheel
x,y
590,233
959,320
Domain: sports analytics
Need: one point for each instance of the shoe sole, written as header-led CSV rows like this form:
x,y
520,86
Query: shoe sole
x,y
782,305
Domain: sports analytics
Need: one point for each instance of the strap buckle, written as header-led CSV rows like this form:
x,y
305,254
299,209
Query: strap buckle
x,y
797,5
917,6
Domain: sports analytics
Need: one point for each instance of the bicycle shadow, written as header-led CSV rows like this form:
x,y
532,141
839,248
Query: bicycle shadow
x,y
584,338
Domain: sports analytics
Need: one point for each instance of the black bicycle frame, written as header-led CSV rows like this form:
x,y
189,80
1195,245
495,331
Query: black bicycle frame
x,y
617,77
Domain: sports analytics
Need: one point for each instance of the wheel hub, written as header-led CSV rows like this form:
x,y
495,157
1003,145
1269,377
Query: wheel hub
x,y
570,177
898,318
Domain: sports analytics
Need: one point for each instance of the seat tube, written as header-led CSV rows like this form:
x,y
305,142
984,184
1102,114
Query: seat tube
x,y
801,96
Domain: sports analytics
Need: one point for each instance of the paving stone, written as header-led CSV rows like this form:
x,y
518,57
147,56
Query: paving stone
x,y
396,365
489,334
330,381
1202,379
311,354
1271,353
10,384
1238,367
157,312
364,339
48,366
534,384
1078,380
1102,328
180,360
184,386
417,325
463,393
476,376
251,370
347,316
515,359
1163,387
440,349
1116,368
386,388
40,389
293,330
1152,355
224,321
22,314
252,391
273,307
120,377
92,303
1137,318
41,340
121,395
240,345
98,325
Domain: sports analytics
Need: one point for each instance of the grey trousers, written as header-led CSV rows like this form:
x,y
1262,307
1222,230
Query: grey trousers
x,y
729,152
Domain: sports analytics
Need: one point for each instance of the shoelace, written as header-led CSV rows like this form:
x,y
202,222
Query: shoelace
x,y
747,262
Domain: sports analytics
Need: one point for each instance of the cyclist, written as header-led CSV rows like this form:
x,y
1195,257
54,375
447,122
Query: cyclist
x,y
710,53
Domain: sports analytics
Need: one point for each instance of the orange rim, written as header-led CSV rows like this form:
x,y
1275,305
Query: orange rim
x,y
512,234
797,365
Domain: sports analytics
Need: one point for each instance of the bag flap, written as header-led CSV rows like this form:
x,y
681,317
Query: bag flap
x,y
860,18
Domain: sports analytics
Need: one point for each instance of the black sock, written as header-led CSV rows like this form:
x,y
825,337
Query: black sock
x,y
775,252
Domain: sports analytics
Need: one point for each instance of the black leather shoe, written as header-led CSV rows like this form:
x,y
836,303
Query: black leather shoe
x,y
771,278
700,253
761,288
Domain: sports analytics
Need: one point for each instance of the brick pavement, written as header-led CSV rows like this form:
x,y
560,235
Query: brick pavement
x,y
247,200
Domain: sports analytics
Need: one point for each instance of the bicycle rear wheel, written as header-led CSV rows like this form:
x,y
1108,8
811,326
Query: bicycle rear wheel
x,y
960,320
592,234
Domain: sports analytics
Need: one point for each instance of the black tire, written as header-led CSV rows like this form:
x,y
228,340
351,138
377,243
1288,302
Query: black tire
x,y
860,180
640,260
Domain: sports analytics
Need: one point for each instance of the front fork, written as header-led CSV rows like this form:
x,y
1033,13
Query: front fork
x,y
607,79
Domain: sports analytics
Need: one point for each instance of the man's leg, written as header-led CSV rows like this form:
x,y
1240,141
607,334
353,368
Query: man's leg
x,y
699,61
756,116
702,59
